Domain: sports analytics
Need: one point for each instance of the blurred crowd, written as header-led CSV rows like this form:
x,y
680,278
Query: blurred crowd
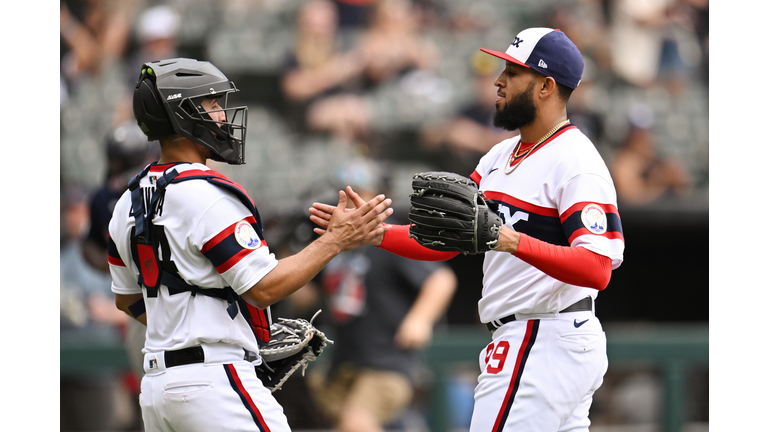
x,y
329,82
402,80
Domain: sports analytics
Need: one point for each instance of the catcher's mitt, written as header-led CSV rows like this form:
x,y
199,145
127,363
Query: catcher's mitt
x,y
449,213
293,343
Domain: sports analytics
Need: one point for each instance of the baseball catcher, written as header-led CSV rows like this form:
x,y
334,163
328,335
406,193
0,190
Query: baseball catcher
x,y
293,344
449,213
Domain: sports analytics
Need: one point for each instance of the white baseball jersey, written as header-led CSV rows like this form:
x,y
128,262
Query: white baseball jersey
x,y
211,242
562,194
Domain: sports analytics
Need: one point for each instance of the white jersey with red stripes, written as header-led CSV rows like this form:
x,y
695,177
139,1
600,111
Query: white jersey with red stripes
x,y
561,193
212,245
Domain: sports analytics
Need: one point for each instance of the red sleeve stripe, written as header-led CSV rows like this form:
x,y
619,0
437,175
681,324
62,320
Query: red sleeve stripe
x,y
609,208
226,232
613,235
526,206
113,257
228,264
115,261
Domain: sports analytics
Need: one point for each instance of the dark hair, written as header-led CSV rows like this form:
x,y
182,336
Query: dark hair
x,y
564,91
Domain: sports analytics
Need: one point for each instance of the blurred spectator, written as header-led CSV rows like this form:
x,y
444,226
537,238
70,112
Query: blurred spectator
x,y
95,35
393,44
456,144
585,24
317,66
63,91
95,32
651,37
92,401
586,107
698,11
156,33
640,174
381,309
353,14
392,47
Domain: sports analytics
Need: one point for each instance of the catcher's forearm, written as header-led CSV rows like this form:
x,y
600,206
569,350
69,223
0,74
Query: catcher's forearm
x,y
573,265
397,242
292,273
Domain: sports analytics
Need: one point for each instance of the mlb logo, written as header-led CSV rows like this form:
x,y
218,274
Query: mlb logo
x,y
153,364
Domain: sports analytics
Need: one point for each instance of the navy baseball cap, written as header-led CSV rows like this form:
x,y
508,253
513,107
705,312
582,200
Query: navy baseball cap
x,y
547,51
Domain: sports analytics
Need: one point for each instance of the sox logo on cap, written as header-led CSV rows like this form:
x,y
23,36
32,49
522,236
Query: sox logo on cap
x,y
547,51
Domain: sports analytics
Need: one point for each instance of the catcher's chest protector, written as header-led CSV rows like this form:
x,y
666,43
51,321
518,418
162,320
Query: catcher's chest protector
x,y
152,273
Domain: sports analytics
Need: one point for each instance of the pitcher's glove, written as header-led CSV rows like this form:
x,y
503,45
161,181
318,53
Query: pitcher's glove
x,y
293,344
449,213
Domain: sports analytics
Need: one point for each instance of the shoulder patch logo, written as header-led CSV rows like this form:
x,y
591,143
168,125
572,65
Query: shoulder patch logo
x,y
594,219
246,235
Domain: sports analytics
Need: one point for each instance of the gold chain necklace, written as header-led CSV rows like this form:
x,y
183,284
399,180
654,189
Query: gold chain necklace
x,y
515,155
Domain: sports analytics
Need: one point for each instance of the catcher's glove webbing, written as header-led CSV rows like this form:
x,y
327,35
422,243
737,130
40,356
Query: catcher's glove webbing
x,y
449,213
293,343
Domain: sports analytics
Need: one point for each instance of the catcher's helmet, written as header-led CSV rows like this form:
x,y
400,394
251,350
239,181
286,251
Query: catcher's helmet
x,y
167,100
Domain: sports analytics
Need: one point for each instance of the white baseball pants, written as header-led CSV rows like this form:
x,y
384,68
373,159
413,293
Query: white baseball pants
x,y
539,374
205,397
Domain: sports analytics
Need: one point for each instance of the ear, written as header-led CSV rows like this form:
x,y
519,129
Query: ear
x,y
547,87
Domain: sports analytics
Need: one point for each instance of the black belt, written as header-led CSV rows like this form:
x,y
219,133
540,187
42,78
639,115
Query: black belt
x,y
584,304
184,356
194,355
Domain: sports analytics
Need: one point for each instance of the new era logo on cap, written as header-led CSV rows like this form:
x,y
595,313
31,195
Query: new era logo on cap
x,y
547,51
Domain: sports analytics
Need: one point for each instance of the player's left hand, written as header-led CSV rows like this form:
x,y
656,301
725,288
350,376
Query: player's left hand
x,y
321,214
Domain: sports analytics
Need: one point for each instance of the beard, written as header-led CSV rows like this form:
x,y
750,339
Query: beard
x,y
518,112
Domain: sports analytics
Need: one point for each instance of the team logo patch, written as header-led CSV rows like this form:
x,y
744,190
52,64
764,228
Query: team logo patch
x,y
246,235
594,219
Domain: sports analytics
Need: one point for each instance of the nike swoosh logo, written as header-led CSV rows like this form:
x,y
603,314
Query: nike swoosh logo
x,y
489,172
579,324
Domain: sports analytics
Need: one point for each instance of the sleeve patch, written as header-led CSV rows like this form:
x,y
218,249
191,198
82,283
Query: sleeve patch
x,y
233,244
246,235
594,219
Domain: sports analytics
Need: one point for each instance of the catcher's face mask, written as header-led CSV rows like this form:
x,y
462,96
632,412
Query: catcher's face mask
x,y
168,100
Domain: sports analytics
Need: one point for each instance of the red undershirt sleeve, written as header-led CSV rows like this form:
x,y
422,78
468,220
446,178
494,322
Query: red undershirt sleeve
x,y
573,265
397,242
